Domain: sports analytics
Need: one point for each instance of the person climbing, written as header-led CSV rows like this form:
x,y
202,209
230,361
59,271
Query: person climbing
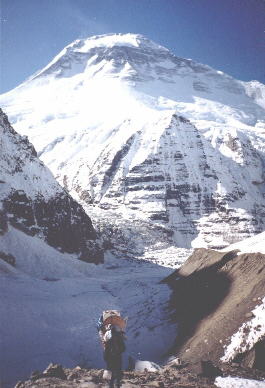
x,y
111,328
114,347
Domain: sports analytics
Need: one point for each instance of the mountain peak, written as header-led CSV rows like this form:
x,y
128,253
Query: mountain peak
x,y
87,52
111,40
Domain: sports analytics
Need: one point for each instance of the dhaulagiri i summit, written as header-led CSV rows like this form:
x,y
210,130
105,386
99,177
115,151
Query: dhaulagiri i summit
x,y
161,151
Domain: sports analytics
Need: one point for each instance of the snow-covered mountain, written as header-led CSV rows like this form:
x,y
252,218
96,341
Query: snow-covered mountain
x,y
159,149
33,204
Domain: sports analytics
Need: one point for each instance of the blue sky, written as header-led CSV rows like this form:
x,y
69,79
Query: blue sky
x,y
225,34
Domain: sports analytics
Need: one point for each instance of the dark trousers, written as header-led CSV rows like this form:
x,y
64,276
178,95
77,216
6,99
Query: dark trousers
x,y
114,364
116,375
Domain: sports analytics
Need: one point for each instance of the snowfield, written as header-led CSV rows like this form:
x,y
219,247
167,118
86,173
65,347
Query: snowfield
x,y
50,304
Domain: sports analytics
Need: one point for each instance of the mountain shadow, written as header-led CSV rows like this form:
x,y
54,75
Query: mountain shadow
x,y
197,295
214,293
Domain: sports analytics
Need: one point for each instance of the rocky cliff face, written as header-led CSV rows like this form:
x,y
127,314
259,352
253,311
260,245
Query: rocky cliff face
x,y
33,202
159,149
218,303
180,187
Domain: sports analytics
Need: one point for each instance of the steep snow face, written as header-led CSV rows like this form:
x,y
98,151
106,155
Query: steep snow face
x,y
156,147
32,201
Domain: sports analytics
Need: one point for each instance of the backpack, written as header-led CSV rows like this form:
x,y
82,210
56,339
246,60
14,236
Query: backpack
x,y
115,345
113,317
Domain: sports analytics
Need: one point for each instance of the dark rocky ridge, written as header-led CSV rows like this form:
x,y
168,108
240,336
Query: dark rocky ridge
x,y
214,293
55,217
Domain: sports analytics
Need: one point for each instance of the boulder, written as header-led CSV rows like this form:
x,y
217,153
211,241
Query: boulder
x,y
55,370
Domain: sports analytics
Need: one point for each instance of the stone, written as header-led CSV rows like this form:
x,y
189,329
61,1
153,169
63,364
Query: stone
x,y
249,315
36,375
254,358
206,369
55,370
154,384
209,369
106,375
19,384
88,384
8,258
175,362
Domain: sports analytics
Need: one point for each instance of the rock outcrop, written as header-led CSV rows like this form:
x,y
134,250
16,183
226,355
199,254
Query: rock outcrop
x,y
217,302
32,201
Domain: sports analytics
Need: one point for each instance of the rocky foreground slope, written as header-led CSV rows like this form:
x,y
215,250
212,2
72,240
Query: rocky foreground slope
x,y
172,375
218,302
32,202
160,149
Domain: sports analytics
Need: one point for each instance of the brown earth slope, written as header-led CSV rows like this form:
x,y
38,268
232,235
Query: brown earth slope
x,y
213,294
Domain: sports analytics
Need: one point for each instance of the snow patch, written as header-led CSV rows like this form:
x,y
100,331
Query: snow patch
x,y
248,334
143,366
250,245
237,382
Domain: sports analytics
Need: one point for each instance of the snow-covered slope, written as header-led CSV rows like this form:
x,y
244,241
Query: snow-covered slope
x,y
250,245
255,90
159,149
33,202
50,303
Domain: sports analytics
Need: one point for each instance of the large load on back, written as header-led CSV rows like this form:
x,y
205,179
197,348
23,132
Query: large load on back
x,y
113,317
110,319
